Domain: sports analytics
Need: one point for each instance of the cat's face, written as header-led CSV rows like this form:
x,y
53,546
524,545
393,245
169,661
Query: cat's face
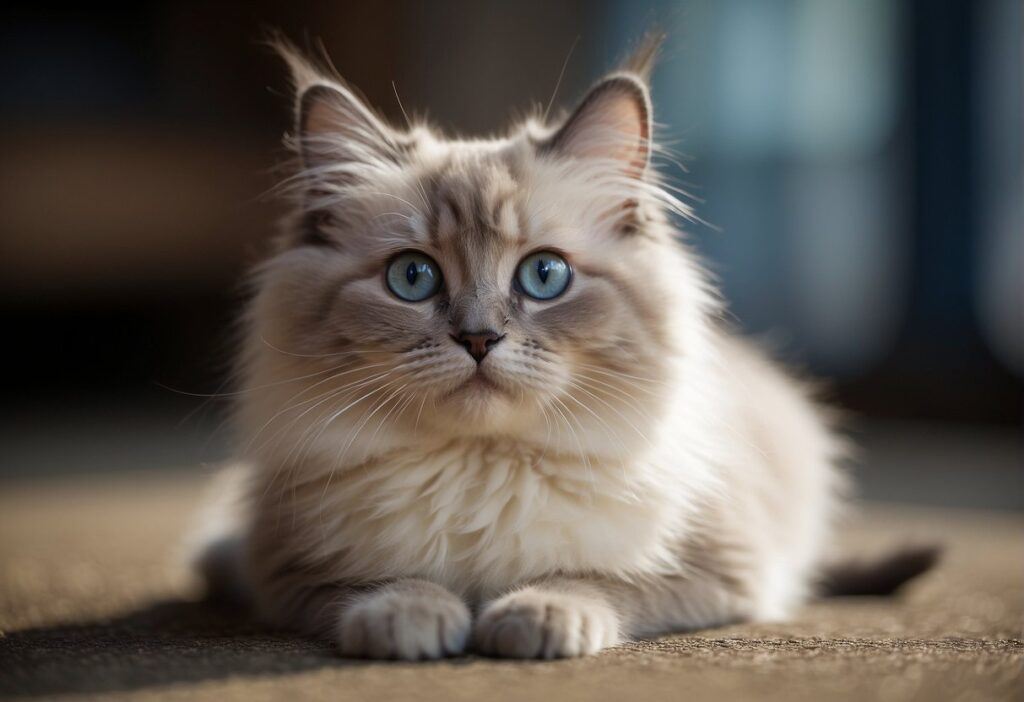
x,y
501,287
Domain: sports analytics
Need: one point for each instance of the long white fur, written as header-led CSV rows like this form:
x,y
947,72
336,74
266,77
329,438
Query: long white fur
x,y
591,500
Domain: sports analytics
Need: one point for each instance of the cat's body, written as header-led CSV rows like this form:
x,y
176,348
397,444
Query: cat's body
x,y
603,463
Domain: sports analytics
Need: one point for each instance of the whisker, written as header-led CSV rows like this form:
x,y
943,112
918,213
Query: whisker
x,y
307,439
235,393
333,354
393,214
328,394
611,390
352,438
302,440
617,374
303,443
613,409
384,419
416,426
582,452
547,436
558,83
615,435
400,199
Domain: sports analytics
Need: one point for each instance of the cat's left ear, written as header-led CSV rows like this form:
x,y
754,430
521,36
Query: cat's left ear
x,y
612,123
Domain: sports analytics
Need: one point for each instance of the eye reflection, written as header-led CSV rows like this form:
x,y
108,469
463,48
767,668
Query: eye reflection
x,y
544,275
413,276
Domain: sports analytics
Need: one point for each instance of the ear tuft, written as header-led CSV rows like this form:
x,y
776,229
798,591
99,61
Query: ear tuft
x,y
302,68
613,123
333,126
644,56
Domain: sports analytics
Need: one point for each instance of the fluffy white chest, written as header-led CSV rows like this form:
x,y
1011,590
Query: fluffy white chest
x,y
481,515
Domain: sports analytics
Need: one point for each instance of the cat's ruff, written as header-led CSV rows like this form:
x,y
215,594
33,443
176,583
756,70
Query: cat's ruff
x,y
618,465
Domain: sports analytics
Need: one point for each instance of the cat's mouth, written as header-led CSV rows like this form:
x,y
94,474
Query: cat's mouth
x,y
478,385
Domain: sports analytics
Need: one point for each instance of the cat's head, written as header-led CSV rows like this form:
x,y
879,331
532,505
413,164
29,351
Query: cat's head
x,y
527,285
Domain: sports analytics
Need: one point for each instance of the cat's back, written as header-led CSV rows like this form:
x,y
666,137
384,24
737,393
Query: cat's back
x,y
781,477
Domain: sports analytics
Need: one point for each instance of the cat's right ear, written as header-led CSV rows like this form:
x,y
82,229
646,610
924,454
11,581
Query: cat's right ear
x,y
612,124
336,133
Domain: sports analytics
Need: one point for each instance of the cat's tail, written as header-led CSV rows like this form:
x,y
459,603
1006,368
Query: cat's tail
x,y
877,577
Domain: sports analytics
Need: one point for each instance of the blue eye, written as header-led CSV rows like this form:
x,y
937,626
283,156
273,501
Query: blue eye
x,y
544,275
413,277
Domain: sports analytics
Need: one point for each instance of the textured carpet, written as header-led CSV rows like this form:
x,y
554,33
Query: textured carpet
x,y
93,603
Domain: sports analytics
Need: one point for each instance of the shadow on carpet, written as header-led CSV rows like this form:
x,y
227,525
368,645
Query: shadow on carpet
x,y
168,642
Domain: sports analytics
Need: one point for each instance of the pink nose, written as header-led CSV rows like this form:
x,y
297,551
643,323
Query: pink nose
x,y
478,343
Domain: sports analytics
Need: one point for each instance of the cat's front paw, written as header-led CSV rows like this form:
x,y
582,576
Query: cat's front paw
x,y
411,620
534,623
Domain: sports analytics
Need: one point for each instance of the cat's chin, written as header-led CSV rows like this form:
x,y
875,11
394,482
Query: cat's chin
x,y
477,406
478,394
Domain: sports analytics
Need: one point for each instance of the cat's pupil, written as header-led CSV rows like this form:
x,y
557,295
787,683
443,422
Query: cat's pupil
x,y
542,270
411,273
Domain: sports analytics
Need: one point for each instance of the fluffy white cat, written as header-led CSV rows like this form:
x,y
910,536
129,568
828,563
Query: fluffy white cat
x,y
488,399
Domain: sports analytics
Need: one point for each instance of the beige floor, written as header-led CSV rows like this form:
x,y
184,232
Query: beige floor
x,y
93,604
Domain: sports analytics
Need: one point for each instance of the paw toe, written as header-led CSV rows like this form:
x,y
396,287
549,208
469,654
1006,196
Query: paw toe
x,y
403,626
532,625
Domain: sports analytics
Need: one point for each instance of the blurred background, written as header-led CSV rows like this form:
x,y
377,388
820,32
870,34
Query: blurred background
x,y
858,163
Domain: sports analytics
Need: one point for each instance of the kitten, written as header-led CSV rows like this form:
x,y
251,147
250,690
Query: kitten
x,y
488,399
